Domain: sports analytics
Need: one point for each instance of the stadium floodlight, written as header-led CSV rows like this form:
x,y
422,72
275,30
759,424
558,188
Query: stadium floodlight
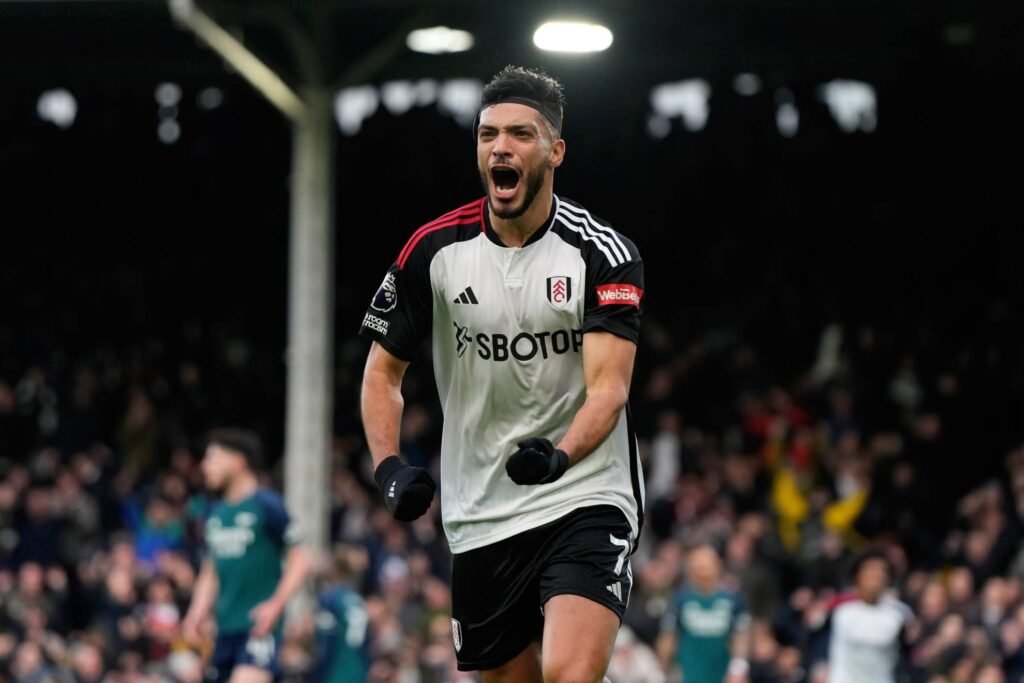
x,y
167,94
572,36
169,131
59,107
787,116
438,40
354,105
686,99
853,104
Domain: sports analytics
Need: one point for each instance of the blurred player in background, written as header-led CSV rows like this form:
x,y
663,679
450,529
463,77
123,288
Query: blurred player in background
x,y
868,627
533,307
253,563
342,652
705,633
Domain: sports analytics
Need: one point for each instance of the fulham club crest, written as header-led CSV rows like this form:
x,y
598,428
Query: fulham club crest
x,y
560,291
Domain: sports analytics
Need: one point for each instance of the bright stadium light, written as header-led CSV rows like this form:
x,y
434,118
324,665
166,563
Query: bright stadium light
x,y
853,104
686,99
398,96
59,107
572,36
438,40
787,116
354,105
460,98
167,94
787,119
168,131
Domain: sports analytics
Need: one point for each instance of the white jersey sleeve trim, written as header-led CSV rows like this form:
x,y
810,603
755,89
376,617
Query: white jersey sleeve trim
x,y
617,246
579,226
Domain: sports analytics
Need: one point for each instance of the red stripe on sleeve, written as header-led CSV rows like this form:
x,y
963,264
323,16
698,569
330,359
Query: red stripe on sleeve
x,y
461,216
463,211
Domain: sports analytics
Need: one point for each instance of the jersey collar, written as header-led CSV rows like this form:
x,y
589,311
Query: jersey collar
x,y
535,237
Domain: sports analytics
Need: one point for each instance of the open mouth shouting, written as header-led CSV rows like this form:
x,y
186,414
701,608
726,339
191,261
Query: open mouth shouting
x,y
505,181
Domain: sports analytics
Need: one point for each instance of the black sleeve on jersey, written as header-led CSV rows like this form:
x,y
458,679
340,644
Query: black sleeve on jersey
x,y
280,526
400,313
614,293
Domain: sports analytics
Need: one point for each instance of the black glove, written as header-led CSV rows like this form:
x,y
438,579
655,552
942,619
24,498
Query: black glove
x,y
407,490
536,462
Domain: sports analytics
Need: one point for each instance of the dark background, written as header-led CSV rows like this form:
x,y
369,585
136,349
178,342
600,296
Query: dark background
x,y
112,242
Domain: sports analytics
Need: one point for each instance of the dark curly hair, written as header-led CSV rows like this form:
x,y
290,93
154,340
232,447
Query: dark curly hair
x,y
242,441
520,83
866,556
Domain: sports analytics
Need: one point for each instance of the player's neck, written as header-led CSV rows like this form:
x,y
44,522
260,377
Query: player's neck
x,y
871,599
241,487
515,232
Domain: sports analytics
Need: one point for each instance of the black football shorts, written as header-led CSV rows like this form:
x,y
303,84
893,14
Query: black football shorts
x,y
499,590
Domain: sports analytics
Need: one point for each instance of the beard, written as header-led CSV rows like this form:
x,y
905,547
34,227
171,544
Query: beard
x,y
533,180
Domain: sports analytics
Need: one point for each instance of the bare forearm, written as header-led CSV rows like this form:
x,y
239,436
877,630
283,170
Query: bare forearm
x,y
382,406
741,644
593,423
205,592
664,646
297,568
607,369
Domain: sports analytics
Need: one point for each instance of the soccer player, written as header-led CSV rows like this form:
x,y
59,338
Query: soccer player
x,y
341,626
253,566
867,627
533,306
706,631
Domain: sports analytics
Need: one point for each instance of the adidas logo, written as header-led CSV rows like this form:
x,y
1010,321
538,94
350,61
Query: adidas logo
x,y
391,491
467,297
615,589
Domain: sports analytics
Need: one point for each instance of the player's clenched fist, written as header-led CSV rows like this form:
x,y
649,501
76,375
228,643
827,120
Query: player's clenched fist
x,y
536,462
407,490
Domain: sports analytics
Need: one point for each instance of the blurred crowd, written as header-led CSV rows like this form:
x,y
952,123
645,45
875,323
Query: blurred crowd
x,y
102,505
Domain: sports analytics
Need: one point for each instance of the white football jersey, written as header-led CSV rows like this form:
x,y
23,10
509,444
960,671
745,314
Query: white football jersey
x,y
507,328
864,645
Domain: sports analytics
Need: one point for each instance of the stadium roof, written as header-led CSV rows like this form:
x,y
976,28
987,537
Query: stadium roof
x,y
119,42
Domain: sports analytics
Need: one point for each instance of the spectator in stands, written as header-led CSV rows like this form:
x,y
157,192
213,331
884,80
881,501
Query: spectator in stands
x,y
78,578
869,627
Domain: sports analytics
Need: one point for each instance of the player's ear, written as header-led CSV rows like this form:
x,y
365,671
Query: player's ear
x,y
557,153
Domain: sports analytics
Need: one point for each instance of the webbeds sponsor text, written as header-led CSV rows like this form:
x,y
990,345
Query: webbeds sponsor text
x,y
619,294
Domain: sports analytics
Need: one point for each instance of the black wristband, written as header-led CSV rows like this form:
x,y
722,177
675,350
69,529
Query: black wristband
x,y
385,469
561,460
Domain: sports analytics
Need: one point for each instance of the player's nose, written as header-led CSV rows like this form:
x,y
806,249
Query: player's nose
x,y
501,147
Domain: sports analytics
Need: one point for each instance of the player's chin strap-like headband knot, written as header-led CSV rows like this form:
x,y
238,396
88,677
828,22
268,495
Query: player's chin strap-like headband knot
x,y
554,116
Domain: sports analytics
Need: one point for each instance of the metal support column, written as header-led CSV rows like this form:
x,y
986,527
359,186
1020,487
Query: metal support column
x,y
308,420
311,319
